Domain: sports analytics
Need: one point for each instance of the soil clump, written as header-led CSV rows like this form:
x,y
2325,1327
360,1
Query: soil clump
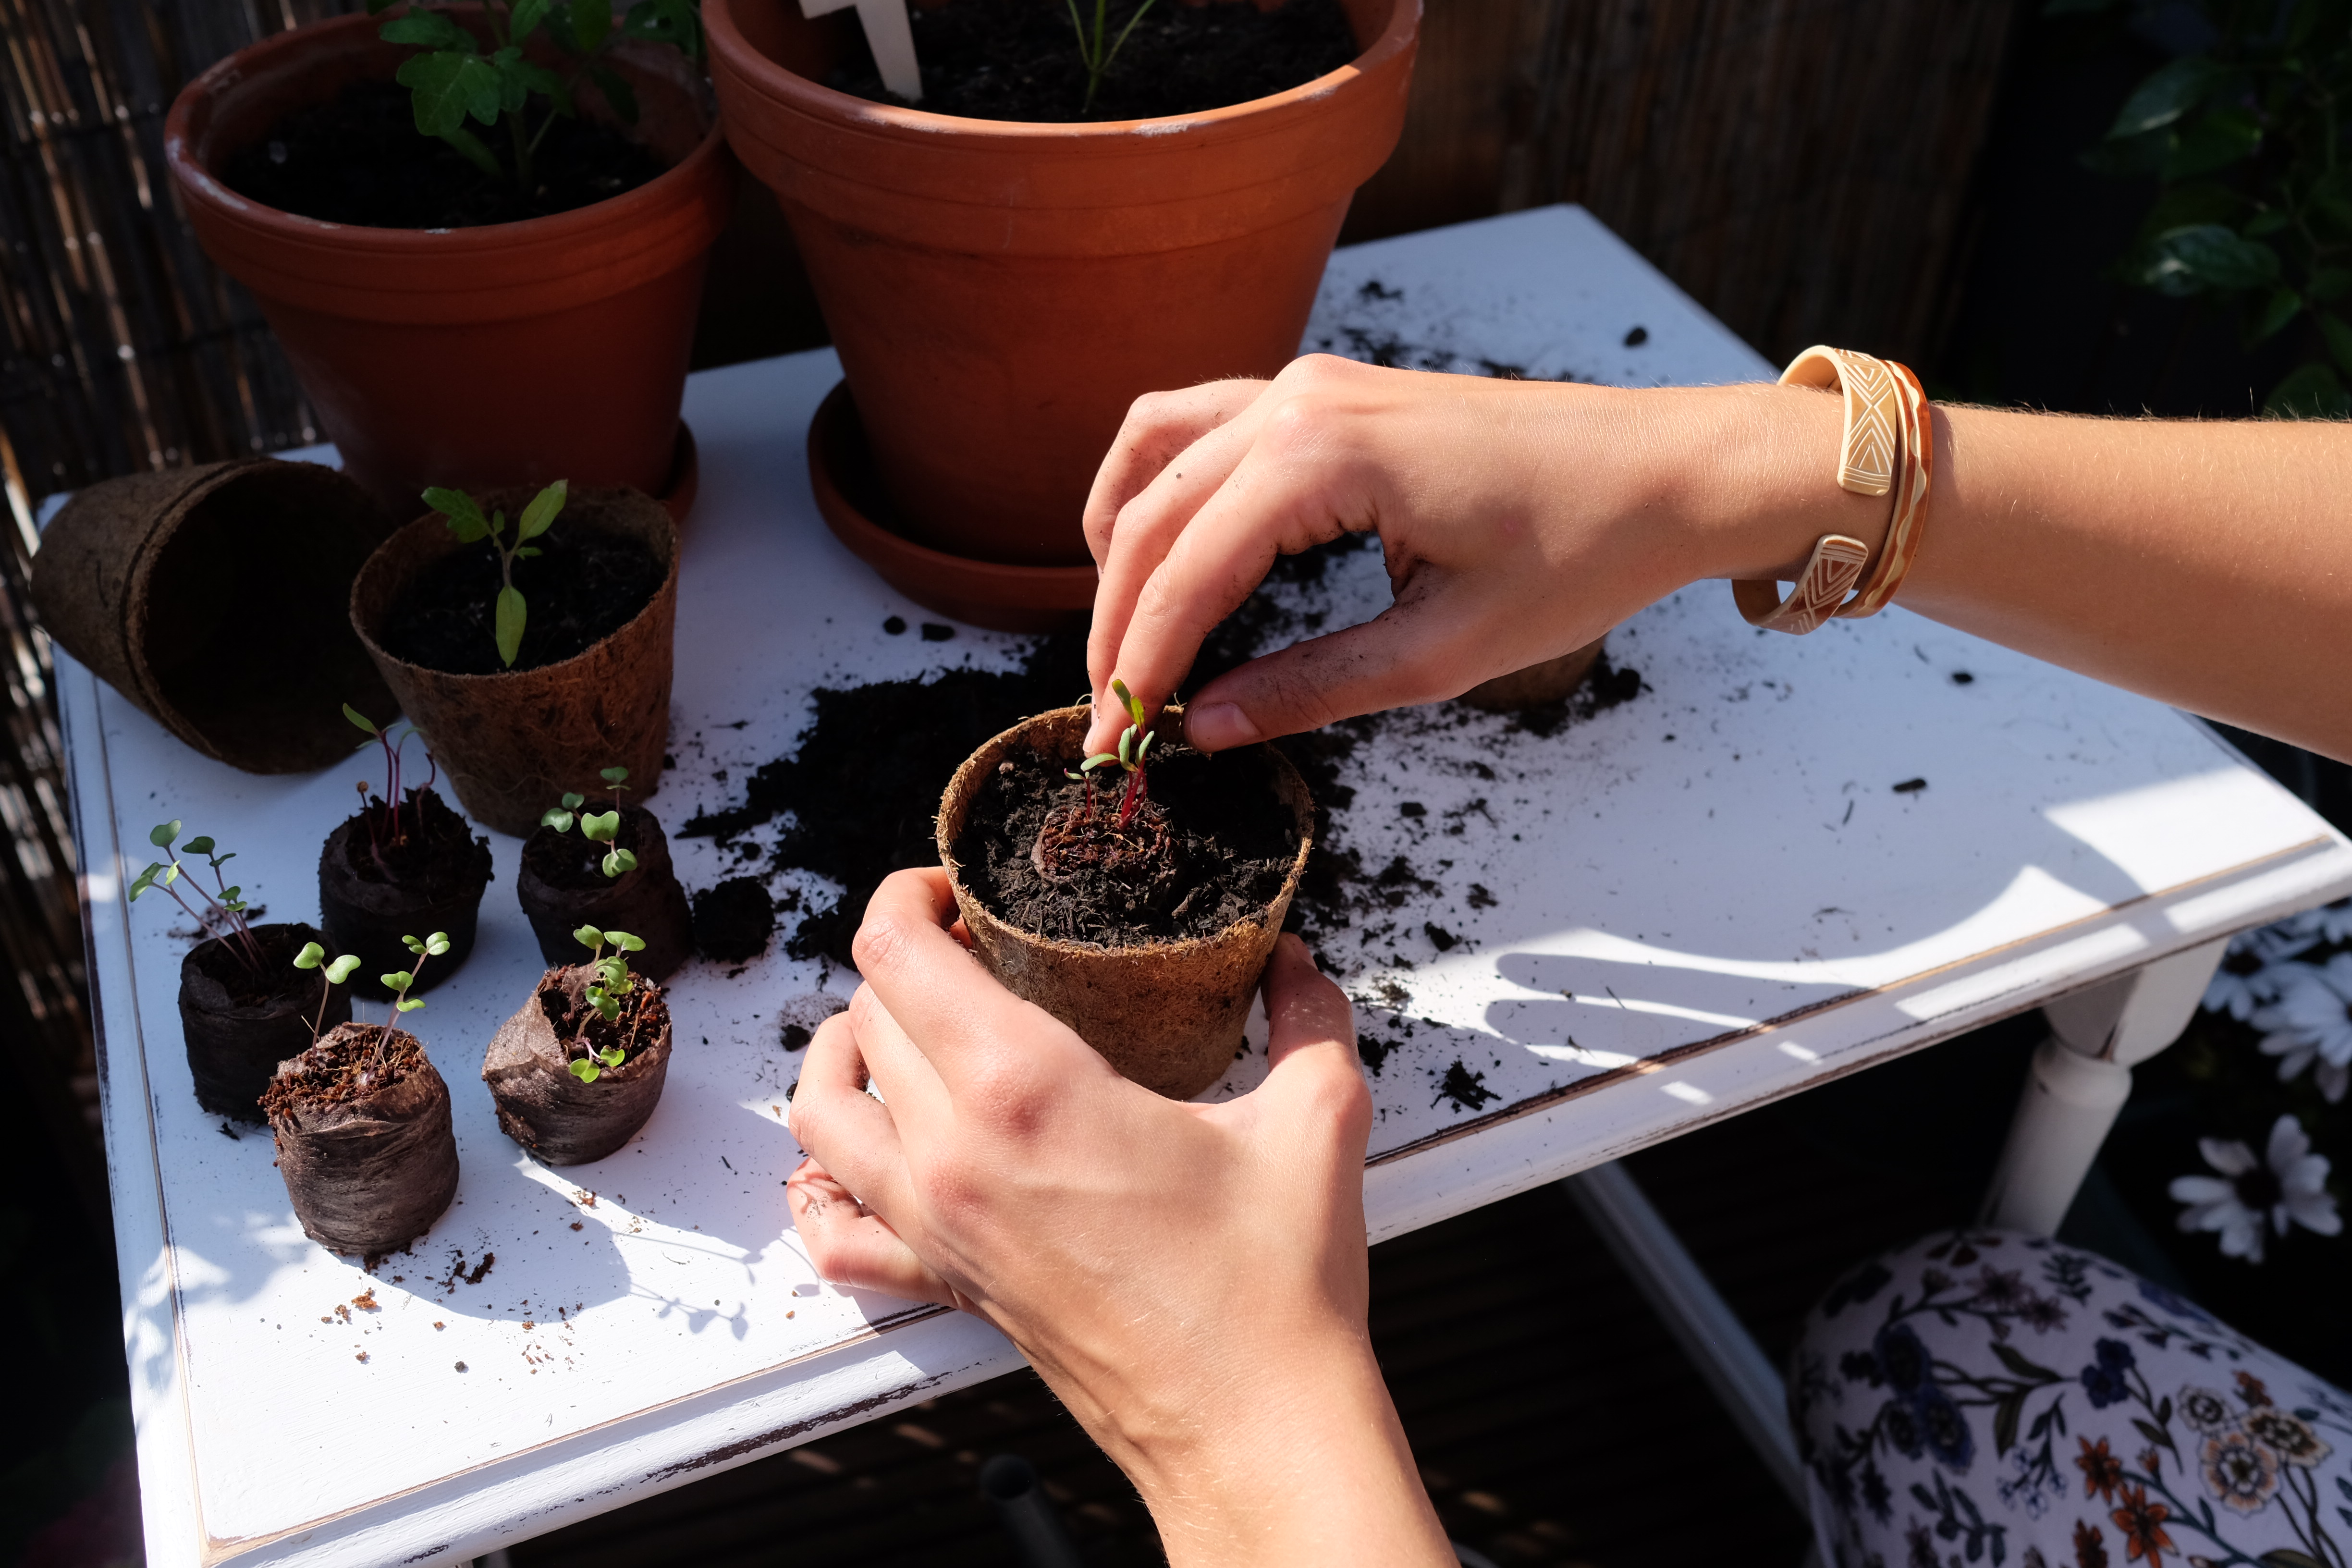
x,y
584,585
734,921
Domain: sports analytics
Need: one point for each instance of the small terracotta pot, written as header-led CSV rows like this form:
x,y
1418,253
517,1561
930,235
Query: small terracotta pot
x,y
213,598
515,742
504,354
648,903
233,1047
540,1104
369,1172
1166,1015
368,914
1553,680
1000,292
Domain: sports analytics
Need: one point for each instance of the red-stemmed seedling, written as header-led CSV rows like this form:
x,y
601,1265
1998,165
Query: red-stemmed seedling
x,y
227,903
1134,746
1132,843
386,830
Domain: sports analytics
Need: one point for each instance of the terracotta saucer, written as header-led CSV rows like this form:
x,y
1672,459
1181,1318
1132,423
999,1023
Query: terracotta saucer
x,y
978,593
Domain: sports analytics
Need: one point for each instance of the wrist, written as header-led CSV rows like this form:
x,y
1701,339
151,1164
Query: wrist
x,y
1752,468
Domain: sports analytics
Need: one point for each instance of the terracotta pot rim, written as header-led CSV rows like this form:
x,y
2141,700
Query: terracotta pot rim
x,y
673,187
797,92
377,650
1062,946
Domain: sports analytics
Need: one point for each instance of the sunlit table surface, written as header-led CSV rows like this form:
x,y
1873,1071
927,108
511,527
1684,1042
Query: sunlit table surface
x,y
1707,896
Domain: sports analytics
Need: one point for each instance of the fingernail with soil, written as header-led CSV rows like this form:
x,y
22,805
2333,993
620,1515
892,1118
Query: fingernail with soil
x,y
1219,726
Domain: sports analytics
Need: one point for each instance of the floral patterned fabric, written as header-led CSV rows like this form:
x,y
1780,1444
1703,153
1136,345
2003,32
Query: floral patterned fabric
x,y
1985,1397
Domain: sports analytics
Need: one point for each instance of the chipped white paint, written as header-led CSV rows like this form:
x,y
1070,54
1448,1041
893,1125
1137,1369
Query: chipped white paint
x,y
1705,898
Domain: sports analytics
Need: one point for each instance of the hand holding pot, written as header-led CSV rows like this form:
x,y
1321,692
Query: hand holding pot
x,y
1190,1279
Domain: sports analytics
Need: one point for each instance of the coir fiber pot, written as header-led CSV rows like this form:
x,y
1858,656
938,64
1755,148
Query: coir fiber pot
x,y
1553,680
569,335
1001,291
542,1104
212,597
364,1139
236,1037
1167,1014
562,888
515,742
369,906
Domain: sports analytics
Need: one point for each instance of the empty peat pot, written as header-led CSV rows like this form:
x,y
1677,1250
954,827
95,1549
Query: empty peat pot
x,y
383,878
562,887
240,1023
364,1139
212,597
1160,984
514,742
541,1103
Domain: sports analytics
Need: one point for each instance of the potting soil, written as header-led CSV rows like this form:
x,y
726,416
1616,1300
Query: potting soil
x,y
1018,59
734,921
584,586
562,996
430,851
359,159
572,861
223,961
348,1064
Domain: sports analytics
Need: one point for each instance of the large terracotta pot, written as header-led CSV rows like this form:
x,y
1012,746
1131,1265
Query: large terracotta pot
x,y
504,354
1000,292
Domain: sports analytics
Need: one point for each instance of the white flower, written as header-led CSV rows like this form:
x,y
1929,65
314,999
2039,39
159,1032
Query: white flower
x,y
2329,923
2249,973
2311,1022
2289,1187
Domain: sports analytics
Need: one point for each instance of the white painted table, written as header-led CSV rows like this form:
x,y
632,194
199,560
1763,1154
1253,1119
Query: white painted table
x,y
1704,899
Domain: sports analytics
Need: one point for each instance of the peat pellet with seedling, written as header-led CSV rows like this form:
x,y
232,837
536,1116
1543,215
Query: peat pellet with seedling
x,y
579,1067
605,863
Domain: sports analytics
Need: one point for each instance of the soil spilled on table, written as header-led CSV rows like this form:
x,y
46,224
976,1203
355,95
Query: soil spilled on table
x,y
1018,59
358,158
734,920
584,586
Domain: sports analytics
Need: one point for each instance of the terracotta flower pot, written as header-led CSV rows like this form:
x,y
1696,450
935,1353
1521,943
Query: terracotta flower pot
x,y
562,888
513,744
364,1139
1000,292
235,1037
1167,1014
546,1108
213,598
508,353
367,912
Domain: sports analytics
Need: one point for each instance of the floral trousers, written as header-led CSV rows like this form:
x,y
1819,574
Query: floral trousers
x,y
1985,1397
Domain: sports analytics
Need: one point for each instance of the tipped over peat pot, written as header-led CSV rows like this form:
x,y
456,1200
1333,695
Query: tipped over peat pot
x,y
1001,291
212,597
1156,970
542,1104
380,881
238,1026
499,354
514,742
364,1139
562,887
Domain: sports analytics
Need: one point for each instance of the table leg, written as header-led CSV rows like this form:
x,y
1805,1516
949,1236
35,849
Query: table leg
x,y
2081,1078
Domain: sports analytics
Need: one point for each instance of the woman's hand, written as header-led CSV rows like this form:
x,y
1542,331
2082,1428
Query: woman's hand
x,y
1191,1279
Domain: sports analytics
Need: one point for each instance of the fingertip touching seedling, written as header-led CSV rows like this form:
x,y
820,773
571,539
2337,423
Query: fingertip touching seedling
x,y
1134,746
597,828
467,521
228,903
313,956
612,982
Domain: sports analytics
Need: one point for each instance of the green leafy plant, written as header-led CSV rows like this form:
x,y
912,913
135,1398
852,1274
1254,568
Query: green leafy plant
x,y
612,983
228,904
453,79
2246,140
1093,51
403,981
1134,746
384,824
467,521
597,828
313,956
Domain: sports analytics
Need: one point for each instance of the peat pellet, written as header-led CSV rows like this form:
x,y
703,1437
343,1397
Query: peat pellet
x,y
377,885
562,887
735,920
542,1104
364,1139
239,1022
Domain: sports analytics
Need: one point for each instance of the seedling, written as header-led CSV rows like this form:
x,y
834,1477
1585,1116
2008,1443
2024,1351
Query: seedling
x,y
228,904
612,982
313,956
451,80
1134,746
467,521
1092,51
389,833
597,829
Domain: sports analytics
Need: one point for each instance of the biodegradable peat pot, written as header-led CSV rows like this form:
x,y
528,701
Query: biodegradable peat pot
x,y
1001,291
239,1026
1167,1013
542,1104
568,334
514,742
364,1139
1553,680
373,891
212,597
564,887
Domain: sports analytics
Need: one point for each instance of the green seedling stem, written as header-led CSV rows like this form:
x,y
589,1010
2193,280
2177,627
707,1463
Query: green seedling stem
x,y
313,956
597,829
389,835
467,521
1092,50
612,982
403,981
228,904
1134,746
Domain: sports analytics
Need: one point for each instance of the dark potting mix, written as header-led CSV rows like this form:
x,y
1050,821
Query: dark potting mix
x,y
585,585
1018,59
734,921
583,1031
358,158
424,848
349,1063
573,862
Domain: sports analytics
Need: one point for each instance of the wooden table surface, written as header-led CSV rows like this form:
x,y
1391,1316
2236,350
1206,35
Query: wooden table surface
x,y
1706,897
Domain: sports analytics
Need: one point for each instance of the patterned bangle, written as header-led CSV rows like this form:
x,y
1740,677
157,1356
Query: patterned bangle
x,y
1905,528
